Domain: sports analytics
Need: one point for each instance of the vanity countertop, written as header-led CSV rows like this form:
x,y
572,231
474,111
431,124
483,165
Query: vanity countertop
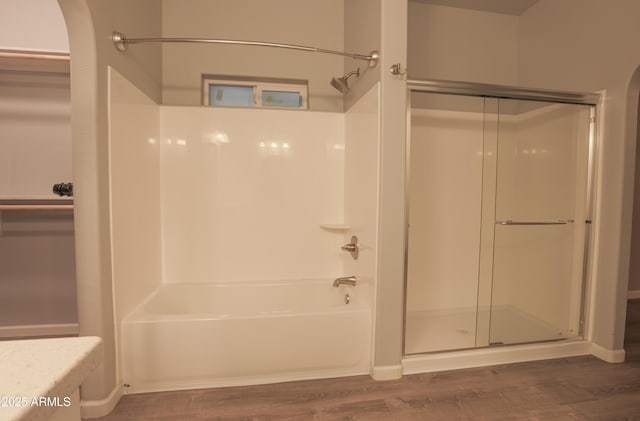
x,y
39,375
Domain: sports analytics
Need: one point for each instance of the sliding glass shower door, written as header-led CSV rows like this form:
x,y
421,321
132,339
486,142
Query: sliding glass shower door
x,y
539,230
445,198
496,221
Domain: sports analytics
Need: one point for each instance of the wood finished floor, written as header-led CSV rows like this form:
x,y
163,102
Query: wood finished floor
x,y
580,388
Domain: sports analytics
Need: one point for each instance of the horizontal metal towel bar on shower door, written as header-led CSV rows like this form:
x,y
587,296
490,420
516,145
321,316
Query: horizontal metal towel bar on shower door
x,y
558,222
121,42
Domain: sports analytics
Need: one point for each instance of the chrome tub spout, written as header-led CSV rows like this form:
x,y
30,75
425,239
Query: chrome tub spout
x,y
348,280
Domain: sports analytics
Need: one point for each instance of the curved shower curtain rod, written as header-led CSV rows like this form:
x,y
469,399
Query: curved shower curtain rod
x,y
121,43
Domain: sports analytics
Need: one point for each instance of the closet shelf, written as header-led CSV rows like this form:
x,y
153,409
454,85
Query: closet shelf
x,y
35,204
35,207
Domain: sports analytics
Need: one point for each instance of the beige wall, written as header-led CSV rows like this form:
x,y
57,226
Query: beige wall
x,y
361,35
634,269
33,25
586,45
464,45
90,23
36,248
307,22
37,277
391,209
37,274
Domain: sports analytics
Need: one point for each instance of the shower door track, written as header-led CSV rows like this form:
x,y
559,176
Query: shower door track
x,y
501,91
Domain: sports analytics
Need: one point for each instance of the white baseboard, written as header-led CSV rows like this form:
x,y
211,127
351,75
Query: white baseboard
x,y
32,331
101,408
632,295
608,355
386,372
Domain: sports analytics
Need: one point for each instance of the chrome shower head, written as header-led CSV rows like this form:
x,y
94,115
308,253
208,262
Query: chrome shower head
x,y
341,83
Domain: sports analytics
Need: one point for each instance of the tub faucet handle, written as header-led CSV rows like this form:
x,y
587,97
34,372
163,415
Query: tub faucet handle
x,y
349,247
347,280
352,247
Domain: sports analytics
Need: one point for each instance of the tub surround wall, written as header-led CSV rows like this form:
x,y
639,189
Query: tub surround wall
x,y
361,178
278,185
135,195
229,194
246,201
242,204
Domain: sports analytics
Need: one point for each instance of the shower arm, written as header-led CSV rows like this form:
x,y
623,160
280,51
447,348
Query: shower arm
x,y
121,43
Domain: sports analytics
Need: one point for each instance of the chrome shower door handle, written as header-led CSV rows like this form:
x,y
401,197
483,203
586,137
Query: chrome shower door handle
x,y
558,222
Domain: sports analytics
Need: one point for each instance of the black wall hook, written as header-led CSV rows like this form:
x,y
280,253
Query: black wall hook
x,y
63,189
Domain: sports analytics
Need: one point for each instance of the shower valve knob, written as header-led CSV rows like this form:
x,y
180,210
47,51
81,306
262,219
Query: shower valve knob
x,y
349,247
352,247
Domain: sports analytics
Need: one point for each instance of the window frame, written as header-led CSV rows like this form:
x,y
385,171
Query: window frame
x,y
259,85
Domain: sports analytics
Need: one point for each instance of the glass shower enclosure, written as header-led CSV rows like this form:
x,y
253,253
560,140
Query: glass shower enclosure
x,y
498,218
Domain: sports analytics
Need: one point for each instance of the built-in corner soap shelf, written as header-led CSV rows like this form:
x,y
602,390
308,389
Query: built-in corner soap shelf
x,y
335,227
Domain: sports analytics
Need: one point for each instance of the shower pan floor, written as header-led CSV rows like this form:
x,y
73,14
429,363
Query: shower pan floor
x,y
429,331
446,330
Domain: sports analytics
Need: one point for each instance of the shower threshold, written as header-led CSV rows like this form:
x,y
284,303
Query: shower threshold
x,y
446,340
495,355
449,330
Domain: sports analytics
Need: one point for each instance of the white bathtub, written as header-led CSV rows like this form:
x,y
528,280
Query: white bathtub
x,y
210,335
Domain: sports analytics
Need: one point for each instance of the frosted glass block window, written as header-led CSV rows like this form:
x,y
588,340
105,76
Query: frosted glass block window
x,y
281,99
231,96
227,91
